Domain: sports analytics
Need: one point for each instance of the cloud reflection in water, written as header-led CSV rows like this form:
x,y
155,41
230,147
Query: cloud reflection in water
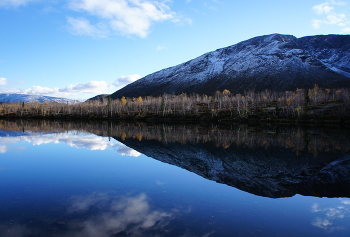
x,y
102,215
3,148
73,139
331,216
6,148
132,215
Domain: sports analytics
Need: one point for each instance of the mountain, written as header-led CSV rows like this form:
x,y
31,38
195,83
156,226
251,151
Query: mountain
x,y
100,98
269,161
276,62
15,98
274,172
265,160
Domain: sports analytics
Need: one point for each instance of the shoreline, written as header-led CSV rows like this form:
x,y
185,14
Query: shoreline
x,y
192,119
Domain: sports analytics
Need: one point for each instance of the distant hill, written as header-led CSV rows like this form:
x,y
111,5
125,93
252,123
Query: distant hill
x,y
15,98
276,62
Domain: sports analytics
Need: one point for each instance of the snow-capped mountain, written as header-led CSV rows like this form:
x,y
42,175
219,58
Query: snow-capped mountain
x,y
275,62
14,98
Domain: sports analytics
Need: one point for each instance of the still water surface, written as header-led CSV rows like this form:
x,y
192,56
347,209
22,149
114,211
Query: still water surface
x,y
64,180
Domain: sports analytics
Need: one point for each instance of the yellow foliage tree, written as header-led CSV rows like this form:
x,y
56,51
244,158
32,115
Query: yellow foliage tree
x,y
138,99
123,136
227,92
123,100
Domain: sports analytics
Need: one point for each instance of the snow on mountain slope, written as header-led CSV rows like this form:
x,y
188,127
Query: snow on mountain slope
x,y
14,98
276,62
332,50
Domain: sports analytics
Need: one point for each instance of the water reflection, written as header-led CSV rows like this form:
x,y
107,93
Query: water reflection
x,y
102,215
6,148
126,151
72,138
267,161
74,194
3,149
329,218
130,215
272,162
313,140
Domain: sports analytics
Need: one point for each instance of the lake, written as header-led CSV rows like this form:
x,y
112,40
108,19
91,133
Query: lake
x,y
107,179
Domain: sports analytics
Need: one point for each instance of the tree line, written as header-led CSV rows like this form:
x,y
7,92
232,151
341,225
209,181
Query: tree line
x,y
311,103
314,140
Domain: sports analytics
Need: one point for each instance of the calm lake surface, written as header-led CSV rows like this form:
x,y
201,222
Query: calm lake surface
x,y
103,179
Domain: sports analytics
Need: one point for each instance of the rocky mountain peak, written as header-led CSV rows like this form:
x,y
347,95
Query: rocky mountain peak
x,y
276,62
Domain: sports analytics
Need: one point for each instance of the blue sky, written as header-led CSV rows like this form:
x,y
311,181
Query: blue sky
x,y
81,48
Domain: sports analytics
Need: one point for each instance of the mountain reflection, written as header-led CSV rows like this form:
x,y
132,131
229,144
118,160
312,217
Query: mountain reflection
x,y
270,162
266,161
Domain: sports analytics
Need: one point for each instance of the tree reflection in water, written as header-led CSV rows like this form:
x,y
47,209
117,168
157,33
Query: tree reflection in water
x,y
267,161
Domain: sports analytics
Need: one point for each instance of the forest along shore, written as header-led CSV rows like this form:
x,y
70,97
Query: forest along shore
x,y
316,105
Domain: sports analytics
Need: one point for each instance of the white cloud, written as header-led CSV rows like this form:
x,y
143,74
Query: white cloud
x,y
92,143
126,151
71,139
345,201
77,90
331,16
339,3
89,87
84,203
336,19
345,31
3,81
81,26
322,223
315,208
126,17
125,80
70,91
111,215
15,3
316,23
329,218
132,215
41,90
322,8
160,47
3,148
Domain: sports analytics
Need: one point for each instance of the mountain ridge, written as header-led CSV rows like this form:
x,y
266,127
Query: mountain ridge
x,y
27,98
275,62
273,173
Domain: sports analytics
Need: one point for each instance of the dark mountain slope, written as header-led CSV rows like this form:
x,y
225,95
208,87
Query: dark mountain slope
x,y
274,173
275,62
100,98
